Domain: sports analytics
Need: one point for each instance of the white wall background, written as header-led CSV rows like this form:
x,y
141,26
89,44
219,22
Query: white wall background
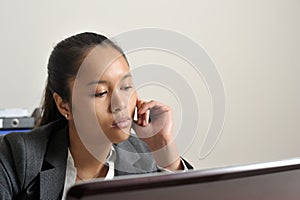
x,y
255,45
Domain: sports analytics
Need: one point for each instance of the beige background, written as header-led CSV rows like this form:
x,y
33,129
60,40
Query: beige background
x,y
254,44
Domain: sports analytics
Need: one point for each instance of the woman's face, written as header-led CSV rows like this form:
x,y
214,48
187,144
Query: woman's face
x,y
107,92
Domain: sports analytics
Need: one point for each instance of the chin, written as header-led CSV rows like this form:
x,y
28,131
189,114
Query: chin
x,y
119,136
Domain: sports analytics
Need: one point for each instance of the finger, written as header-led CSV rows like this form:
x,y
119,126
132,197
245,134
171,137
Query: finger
x,y
139,104
155,108
140,119
146,118
143,119
147,106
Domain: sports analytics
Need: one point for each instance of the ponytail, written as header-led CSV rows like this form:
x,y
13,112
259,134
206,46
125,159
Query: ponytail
x,y
49,111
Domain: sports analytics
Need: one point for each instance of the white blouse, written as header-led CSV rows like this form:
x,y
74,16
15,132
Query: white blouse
x,y
71,171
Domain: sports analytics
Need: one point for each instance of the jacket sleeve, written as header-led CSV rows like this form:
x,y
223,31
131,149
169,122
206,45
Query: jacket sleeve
x,y
7,170
16,181
186,164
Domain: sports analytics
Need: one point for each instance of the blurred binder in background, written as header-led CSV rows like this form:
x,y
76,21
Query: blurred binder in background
x,y
17,119
17,123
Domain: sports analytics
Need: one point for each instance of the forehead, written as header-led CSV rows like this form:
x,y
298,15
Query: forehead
x,y
116,70
102,63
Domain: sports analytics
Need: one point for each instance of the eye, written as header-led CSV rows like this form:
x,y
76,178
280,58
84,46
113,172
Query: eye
x,y
100,94
126,88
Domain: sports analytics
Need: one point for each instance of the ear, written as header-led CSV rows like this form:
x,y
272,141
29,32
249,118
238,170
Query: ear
x,y
62,106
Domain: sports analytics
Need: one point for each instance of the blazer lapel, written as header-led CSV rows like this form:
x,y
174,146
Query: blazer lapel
x,y
134,157
127,159
52,176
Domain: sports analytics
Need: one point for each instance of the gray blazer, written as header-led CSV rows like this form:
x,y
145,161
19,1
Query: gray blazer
x,y
33,165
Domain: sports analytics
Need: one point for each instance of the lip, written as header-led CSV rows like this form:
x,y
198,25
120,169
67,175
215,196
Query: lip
x,y
122,122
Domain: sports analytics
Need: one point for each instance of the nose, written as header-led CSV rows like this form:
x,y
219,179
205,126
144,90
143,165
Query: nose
x,y
118,102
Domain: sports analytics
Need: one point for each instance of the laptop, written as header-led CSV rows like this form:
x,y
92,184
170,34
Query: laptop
x,y
269,181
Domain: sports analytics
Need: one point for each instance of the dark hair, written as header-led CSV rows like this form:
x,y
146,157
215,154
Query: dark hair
x,y
63,65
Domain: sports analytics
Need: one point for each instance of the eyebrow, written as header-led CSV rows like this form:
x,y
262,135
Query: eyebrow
x,y
105,82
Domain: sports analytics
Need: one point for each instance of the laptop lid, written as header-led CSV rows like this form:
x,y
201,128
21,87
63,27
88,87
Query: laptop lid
x,y
270,180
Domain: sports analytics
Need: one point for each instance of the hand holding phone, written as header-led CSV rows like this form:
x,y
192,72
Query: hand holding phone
x,y
153,124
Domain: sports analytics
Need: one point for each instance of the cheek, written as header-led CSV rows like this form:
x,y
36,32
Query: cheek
x,y
132,103
82,108
102,111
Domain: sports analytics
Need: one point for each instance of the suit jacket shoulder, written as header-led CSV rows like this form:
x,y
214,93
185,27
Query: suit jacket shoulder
x,y
22,157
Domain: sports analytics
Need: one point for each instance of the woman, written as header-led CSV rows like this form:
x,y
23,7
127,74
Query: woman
x,y
86,127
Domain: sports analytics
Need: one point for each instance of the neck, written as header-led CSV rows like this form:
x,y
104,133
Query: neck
x,y
89,160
